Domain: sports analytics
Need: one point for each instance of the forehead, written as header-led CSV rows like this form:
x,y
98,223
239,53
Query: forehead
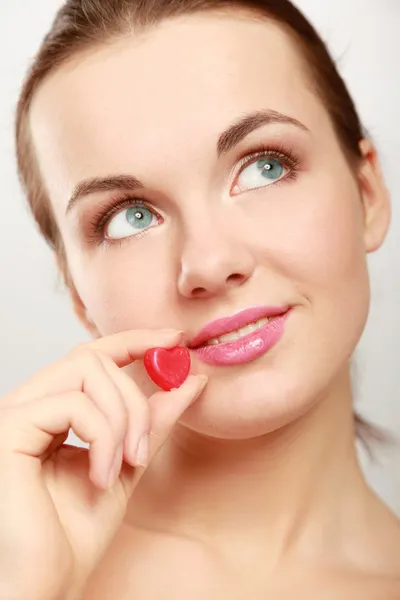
x,y
168,91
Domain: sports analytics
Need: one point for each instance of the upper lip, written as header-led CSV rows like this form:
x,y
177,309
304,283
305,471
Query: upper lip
x,y
219,327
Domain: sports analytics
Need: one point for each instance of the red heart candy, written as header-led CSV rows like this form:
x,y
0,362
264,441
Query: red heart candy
x,y
168,368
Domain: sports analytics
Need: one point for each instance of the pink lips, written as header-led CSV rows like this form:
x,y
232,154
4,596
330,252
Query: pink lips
x,y
249,347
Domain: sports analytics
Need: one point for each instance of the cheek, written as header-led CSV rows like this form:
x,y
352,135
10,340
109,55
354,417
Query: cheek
x,y
313,237
122,288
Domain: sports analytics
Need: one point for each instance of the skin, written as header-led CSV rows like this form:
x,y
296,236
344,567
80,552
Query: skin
x,y
265,460
62,505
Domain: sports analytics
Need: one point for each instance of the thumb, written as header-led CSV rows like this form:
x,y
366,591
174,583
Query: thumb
x,y
166,408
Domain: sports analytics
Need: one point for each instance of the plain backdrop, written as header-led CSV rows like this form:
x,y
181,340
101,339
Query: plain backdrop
x,y
37,324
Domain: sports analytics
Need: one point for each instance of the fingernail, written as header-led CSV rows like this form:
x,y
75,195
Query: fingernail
x,y
202,379
142,456
172,332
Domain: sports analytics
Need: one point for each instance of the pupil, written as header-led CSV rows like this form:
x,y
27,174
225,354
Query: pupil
x,y
139,218
270,168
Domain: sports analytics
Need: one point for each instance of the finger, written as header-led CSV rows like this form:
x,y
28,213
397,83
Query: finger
x,y
57,442
126,347
136,405
66,375
28,430
97,384
101,388
166,408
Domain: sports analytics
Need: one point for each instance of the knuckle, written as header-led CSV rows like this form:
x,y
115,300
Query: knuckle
x,y
102,356
105,435
80,405
121,423
78,349
84,355
103,430
79,398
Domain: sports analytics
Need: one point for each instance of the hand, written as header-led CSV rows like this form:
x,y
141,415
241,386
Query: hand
x,y
60,506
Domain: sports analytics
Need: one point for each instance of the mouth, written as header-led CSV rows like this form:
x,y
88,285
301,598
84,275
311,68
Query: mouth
x,y
236,327
237,334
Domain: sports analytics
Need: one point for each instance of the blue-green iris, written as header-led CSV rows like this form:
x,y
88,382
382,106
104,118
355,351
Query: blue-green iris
x,y
271,168
139,216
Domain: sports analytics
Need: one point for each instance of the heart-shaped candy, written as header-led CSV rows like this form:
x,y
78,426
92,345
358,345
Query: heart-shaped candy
x,y
168,368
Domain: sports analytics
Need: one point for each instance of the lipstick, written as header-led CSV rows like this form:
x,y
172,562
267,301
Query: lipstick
x,y
264,327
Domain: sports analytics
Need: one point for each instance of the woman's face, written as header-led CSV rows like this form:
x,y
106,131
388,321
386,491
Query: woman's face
x,y
216,227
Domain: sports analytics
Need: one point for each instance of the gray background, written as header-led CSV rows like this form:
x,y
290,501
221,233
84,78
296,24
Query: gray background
x,y
36,321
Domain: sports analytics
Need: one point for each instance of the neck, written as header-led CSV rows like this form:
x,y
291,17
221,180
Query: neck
x,y
295,488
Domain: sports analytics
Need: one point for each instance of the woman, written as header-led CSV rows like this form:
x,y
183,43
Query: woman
x,y
197,165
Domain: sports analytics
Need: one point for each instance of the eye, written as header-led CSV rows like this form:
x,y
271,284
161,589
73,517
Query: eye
x,y
130,221
261,173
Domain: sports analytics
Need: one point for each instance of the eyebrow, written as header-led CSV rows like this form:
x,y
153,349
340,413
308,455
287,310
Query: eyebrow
x,y
226,142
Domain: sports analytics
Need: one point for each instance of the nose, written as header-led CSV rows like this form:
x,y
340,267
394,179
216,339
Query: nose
x,y
213,260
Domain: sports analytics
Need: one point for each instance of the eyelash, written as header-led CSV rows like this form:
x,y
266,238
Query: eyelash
x,y
100,220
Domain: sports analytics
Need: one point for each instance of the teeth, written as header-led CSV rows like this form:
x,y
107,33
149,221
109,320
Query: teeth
x,y
238,333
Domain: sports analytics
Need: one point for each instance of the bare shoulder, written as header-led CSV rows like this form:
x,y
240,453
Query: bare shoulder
x,y
362,586
377,575
148,567
383,538
145,565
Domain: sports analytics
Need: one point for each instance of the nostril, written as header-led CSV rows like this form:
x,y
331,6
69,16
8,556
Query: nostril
x,y
199,291
236,278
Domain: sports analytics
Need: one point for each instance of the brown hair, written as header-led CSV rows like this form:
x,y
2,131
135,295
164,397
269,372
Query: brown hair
x,y
80,25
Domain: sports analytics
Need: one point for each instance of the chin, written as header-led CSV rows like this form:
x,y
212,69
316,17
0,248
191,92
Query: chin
x,y
244,404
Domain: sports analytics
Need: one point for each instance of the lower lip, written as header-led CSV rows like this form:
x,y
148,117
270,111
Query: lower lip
x,y
247,348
